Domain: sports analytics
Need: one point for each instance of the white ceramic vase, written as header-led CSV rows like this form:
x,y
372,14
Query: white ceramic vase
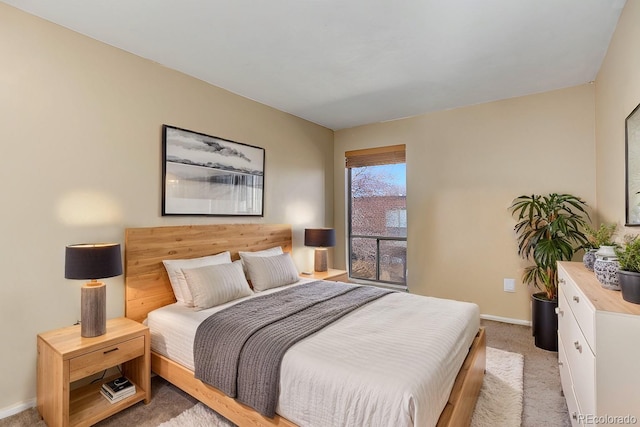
x,y
607,252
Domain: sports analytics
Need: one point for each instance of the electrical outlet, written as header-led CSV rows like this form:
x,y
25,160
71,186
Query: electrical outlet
x,y
509,285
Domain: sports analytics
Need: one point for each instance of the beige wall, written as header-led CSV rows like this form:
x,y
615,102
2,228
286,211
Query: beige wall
x,y
80,128
617,94
464,167
80,124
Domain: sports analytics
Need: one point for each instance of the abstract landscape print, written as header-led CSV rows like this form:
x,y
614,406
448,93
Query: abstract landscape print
x,y
207,175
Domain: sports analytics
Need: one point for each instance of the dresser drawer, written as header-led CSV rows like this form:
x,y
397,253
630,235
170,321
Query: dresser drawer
x,y
567,385
106,357
579,304
579,357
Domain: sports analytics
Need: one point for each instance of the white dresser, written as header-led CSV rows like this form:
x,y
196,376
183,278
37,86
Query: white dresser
x,y
598,350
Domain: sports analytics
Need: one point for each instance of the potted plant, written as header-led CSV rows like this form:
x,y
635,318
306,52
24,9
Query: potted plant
x,y
596,238
549,229
629,270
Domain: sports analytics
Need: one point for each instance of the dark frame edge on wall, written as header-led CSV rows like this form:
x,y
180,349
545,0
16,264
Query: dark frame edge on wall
x,y
631,141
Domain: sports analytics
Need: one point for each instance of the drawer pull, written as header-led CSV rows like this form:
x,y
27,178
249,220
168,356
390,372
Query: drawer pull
x,y
578,346
109,351
574,415
560,364
562,281
576,298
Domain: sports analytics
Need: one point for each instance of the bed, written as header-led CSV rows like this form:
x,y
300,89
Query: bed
x,y
149,297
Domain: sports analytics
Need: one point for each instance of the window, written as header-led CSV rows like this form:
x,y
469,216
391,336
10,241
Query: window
x,y
397,218
377,214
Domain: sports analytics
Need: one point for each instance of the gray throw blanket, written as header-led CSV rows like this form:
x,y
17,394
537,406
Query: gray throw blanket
x,y
239,350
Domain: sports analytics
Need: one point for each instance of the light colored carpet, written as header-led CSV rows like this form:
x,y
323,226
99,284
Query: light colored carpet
x,y
499,403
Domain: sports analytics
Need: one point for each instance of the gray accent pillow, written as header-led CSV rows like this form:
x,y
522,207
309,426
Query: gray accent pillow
x,y
179,284
271,272
276,250
216,284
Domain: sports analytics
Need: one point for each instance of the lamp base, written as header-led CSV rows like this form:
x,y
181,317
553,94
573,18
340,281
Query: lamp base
x,y
320,261
93,309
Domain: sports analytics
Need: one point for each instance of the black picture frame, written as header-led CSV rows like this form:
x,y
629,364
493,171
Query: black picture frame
x,y
205,175
632,168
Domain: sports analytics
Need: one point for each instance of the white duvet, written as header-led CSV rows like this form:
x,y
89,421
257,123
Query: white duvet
x,y
392,362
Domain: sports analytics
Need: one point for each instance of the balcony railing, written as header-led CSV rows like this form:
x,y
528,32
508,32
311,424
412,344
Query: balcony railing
x,y
378,258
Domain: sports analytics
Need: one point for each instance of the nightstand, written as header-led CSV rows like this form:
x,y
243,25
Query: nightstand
x,y
64,356
330,275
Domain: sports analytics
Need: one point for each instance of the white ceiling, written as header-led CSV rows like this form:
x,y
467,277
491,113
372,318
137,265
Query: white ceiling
x,y
343,63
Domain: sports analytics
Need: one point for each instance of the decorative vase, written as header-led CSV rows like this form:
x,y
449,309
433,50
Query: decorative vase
x,y
630,286
606,268
589,258
607,252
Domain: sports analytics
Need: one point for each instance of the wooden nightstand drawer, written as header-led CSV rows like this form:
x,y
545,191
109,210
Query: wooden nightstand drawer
x,y
64,356
106,357
339,278
331,275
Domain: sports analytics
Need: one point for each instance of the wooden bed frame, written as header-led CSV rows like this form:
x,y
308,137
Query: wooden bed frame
x,y
147,287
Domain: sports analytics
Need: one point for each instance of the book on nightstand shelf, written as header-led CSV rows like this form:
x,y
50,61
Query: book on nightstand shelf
x,y
118,389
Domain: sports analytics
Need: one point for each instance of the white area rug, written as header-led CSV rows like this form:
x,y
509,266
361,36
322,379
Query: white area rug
x,y
198,416
499,403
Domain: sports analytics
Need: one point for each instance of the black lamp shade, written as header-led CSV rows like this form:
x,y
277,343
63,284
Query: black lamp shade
x,y
320,237
92,261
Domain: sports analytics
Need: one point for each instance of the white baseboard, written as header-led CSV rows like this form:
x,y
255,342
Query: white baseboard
x,y
506,320
18,407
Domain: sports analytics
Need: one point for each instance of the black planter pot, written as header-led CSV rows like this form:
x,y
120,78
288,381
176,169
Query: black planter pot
x,y
629,286
544,322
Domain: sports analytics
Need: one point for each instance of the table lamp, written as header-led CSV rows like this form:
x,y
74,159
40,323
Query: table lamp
x,y
321,239
93,261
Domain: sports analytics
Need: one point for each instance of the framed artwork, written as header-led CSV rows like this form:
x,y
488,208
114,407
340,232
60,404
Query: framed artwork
x,y
632,170
207,175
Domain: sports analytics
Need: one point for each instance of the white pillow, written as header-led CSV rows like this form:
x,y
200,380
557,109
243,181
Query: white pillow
x,y
277,250
216,284
271,272
178,283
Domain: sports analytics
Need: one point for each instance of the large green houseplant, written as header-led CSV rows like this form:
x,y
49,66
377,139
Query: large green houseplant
x,y
550,228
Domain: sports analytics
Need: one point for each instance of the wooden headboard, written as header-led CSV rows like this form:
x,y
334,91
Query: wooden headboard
x,y
147,284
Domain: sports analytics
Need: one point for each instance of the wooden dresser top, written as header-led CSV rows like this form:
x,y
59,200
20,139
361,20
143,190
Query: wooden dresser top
x,y
601,298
